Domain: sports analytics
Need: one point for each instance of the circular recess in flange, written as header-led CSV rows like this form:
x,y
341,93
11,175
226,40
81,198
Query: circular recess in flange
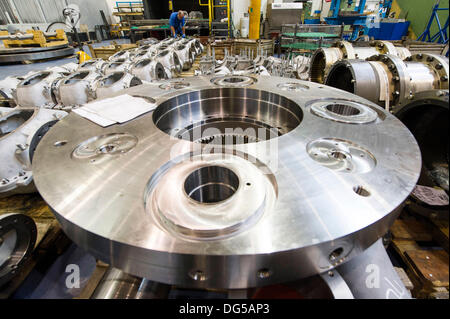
x,y
227,116
100,148
343,111
341,155
177,85
292,86
210,196
234,80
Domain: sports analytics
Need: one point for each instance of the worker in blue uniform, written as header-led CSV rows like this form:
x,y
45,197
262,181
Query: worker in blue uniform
x,y
176,22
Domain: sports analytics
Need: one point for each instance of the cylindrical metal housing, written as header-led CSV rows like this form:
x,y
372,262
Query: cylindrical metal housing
x,y
426,116
324,58
387,80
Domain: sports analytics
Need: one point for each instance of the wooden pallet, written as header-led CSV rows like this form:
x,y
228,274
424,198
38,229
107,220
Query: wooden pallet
x,y
106,51
422,244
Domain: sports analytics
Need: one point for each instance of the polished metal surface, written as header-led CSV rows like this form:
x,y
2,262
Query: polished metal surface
x,y
17,238
219,186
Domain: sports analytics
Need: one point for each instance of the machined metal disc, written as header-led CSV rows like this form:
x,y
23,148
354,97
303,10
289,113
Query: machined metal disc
x,y
230,182
31,49
8,57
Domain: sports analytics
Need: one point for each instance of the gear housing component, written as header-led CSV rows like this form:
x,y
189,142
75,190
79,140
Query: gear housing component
x,y
21,129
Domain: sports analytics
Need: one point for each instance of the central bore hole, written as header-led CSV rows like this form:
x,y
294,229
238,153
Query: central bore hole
x,y
233,80
338,155
211,184
342,109
227,116
108,148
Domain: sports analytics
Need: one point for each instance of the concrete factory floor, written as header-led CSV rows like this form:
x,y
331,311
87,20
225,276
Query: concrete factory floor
x,y
21,69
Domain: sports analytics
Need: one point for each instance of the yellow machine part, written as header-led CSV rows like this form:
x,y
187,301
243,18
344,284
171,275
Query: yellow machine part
x,y
83,57
38,39
254,12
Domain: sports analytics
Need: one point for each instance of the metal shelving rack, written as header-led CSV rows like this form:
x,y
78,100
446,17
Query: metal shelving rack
x,y
306,38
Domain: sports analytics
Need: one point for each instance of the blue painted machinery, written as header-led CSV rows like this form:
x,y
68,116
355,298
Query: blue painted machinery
x,y
361,22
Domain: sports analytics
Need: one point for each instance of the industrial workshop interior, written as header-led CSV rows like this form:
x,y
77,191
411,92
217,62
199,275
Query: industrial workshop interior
x,y
224,152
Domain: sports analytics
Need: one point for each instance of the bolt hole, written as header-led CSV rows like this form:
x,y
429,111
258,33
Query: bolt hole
x,y
233,80
264,273
108,148
338,155
198,275
335,254
361,191
248,184
59,143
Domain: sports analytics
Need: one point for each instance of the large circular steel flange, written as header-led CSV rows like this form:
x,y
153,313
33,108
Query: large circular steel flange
x,y
17,238
19,50
220,186
39,55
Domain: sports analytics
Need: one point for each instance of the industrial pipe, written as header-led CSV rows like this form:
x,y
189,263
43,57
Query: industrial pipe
x,y
324,58
389,81
426,116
